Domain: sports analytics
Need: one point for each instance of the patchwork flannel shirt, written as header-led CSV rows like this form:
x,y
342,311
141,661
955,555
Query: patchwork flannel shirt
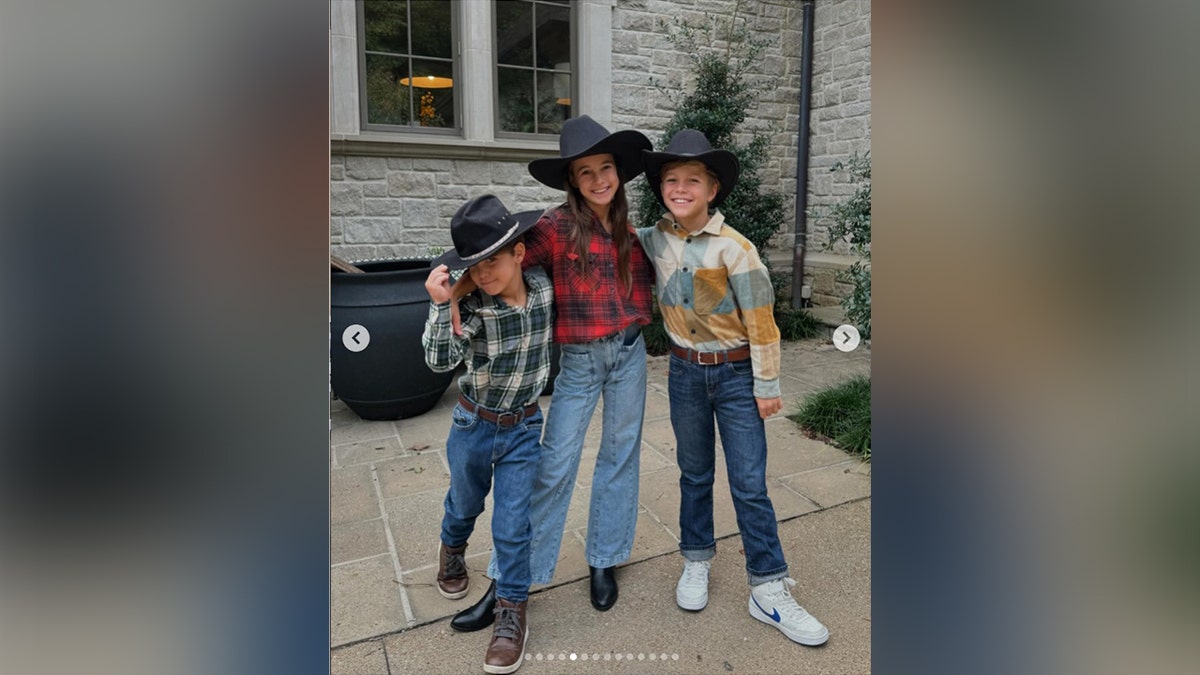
x,y
596,305
506,349
715,293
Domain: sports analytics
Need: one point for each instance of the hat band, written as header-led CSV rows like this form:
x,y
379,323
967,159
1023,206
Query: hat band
x,y
491,249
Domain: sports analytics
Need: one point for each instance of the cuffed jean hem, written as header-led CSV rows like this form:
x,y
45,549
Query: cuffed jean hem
x,y
602,563
511,596
698,554
756,579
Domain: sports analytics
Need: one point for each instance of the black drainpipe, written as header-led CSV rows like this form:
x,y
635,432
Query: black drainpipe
x,y
806,47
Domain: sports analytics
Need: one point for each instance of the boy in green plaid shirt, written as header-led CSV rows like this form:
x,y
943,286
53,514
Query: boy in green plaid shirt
x,y
497,425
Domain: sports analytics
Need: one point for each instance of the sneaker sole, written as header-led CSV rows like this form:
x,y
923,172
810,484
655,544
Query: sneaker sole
x,y
504,670
806,640
692,606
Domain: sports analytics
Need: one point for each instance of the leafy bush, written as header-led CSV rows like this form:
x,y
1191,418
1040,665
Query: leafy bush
x,y
718,104
841,413
851,219
795,324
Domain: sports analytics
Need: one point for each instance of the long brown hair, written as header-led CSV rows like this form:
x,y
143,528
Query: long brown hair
x,y
581,231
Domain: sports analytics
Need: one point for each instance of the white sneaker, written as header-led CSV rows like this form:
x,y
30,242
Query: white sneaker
x,y
691,593
772,603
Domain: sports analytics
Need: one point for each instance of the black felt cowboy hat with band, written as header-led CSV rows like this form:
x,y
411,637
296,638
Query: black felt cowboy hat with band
x,y
691,145
481,227
583,136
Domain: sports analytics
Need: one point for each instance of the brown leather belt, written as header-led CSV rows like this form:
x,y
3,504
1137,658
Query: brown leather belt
x,y
504,419
712,358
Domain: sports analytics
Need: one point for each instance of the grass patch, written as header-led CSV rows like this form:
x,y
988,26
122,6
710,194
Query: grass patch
x,y
842,414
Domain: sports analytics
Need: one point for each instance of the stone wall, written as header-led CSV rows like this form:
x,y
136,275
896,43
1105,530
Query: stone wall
x,y
400,207
388,207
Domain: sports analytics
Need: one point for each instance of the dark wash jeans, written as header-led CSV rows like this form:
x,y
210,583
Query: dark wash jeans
x,y
725,392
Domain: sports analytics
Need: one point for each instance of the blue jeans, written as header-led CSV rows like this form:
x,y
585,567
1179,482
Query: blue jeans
x,y
726,391
608,368
477,450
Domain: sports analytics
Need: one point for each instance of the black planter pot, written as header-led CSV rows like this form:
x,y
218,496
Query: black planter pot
x,y
384,376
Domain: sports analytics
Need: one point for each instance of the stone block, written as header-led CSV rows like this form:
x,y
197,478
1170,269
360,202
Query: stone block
x,y
364,600
356,541
362,452
413,474
411,184
384,207
352,495
366,168
364,658
345,199
376,189
832,485
421,212
472,172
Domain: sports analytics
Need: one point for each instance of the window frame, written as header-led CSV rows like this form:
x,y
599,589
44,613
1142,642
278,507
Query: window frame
x,y
455,130
572,7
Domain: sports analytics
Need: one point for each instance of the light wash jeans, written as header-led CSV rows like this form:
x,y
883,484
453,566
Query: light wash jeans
x,y
698,394
479,451
586,371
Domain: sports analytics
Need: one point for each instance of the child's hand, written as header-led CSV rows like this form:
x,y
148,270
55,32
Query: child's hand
x,y
438,284
768,406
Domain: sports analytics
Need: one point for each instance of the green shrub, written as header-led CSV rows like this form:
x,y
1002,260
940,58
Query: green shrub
x,y
655,335
841,413
851,218
722,95
795,324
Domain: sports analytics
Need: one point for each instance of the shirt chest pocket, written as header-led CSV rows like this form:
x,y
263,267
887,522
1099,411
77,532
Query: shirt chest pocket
x,y
710,287
590,282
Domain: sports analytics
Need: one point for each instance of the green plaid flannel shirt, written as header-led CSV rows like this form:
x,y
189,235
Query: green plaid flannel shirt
x,y
506,349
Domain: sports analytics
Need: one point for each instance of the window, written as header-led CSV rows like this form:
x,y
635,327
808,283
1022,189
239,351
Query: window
x,y
409,67
502,75
533,48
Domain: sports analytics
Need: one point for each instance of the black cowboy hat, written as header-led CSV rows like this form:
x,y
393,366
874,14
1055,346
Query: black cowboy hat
x,y
691,145
481,227
582,136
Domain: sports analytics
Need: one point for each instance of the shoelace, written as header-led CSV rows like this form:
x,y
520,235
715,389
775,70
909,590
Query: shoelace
x,y
456,565
508,623
784,602
695,572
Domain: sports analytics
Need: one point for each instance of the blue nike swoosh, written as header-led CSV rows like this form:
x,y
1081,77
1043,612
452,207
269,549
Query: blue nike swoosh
x,y
774,612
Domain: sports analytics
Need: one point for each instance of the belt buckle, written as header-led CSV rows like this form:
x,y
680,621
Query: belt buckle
x,y
704,362
502,418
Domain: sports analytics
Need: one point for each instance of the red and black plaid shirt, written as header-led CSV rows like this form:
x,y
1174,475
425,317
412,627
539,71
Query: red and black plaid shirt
x,y
594,306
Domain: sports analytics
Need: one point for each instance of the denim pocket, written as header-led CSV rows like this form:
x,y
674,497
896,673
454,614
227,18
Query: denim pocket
x,y
743,367
461,419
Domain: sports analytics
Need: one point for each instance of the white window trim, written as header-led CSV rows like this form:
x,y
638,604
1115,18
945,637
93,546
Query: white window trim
x,y
478,139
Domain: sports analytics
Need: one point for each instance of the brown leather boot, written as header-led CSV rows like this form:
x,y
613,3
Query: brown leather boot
x,y
452,578
507,649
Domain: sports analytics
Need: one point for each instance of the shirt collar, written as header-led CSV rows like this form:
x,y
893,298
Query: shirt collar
x,y
713,226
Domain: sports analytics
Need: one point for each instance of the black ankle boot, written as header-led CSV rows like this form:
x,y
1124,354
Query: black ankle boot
x,y
603,587
479,615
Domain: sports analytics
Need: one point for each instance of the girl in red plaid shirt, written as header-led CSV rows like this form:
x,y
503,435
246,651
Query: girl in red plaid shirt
x,y
603,292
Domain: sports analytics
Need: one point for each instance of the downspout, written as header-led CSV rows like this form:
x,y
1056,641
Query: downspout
x,y
806,48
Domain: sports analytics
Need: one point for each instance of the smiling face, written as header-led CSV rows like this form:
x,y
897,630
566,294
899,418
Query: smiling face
x,y
596,178
687,189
